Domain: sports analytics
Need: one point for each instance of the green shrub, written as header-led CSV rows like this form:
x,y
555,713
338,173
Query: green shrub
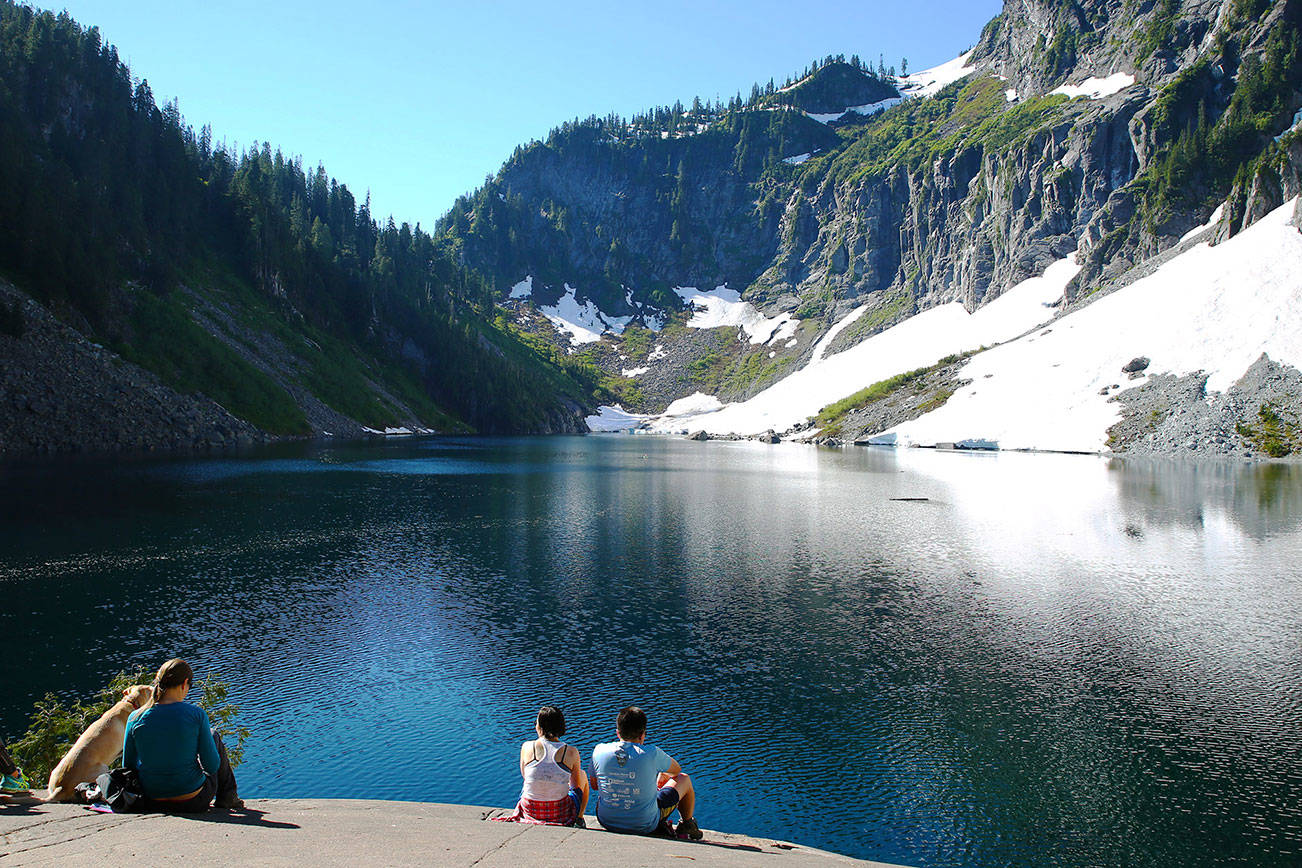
x,y
1273,434
56,723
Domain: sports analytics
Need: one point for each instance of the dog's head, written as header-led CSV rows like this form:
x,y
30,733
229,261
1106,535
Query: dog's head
x,y
138,695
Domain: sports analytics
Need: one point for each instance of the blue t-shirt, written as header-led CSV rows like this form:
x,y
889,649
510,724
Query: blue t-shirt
x,y
626,784
172,747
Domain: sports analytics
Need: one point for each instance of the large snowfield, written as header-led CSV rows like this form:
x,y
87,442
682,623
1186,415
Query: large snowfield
x,y
917,342
1211,309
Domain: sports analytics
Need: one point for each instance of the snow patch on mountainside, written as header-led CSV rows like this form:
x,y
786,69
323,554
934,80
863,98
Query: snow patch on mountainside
x,y
1211,309
723,307
820,348
523,289
917,342
1211,221
1097,88
929,82
866,110
693,405
584,323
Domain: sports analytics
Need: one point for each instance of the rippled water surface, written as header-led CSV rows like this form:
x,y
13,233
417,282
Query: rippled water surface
x,y
1052,660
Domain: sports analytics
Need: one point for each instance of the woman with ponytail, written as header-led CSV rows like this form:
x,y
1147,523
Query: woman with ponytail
x,y
180,757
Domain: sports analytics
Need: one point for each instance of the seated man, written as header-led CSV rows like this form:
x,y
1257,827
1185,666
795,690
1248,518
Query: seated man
x,y
638,785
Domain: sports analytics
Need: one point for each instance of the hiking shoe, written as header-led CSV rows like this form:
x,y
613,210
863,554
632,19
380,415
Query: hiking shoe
x,y
688,829
234,803
579,823
14,784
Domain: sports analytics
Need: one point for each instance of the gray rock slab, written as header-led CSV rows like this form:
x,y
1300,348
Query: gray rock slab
x,y
295,832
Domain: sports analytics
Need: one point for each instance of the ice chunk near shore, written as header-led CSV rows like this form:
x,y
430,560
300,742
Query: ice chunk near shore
x,y
1097,88
613,418
723,307
1211,309
918,342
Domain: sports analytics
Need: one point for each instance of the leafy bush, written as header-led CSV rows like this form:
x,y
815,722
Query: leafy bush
x,y
56,723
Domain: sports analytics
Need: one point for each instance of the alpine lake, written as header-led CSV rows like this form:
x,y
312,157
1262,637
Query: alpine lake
x,y
918,657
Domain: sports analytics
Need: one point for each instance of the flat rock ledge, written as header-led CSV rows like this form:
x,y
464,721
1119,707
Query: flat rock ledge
x,y
295,832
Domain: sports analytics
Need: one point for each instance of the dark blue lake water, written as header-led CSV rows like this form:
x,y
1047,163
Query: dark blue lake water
x,y
1053,660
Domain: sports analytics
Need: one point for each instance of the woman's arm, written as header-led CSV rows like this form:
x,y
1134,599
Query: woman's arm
x,y
578,777
208,756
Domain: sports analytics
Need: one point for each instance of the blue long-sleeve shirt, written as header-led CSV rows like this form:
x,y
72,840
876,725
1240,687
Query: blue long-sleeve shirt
x,y
172,747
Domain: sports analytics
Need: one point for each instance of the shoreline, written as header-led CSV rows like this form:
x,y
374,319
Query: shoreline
x,y
347,831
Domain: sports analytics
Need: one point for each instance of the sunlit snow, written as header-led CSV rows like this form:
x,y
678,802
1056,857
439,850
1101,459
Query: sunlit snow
x,y
613,419
1211,221
1097,88
694,404
866,110
723,307
523,289
1211,309
929,82
917,342
585,323
634,372
820,348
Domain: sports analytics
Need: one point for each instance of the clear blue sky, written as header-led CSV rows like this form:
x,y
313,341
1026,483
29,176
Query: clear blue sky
x,y
418,102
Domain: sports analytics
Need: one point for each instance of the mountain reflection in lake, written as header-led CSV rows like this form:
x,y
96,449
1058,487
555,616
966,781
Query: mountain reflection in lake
x,y
1051,660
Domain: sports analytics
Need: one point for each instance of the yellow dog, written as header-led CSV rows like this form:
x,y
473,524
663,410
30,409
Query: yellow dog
x,y
99,746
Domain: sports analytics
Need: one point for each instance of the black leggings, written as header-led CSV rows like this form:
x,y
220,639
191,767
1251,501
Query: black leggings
x,y
7,764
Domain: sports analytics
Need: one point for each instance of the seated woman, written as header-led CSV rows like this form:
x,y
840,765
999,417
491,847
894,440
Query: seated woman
x,y
181,759
555,788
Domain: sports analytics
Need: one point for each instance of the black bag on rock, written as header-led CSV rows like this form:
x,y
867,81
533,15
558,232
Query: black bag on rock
x,y
119,789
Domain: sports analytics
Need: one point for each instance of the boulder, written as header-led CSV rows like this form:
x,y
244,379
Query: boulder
x,y
1135,365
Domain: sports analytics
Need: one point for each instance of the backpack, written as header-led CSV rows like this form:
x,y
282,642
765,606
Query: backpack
x,y
119,789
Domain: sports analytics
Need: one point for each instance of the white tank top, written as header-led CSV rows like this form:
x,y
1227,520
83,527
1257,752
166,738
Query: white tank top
x,y
546,780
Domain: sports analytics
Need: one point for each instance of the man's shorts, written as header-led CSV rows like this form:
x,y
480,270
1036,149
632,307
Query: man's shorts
x,y
667,801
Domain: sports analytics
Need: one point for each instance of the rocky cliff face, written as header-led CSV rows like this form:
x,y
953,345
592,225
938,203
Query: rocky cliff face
x,y
956,196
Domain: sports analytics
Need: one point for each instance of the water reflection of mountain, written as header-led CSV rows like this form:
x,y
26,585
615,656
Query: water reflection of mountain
x,y
1261,499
